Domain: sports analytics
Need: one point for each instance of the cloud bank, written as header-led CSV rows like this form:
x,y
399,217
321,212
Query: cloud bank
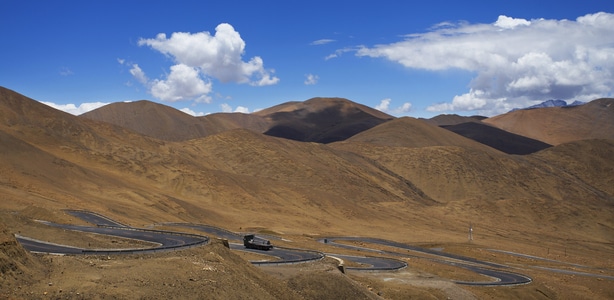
x,y
74,109
384,106
200,57
516,62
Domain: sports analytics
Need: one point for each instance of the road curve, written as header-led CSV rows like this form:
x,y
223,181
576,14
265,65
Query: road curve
x,y
372,263
165,240
283,255
481,267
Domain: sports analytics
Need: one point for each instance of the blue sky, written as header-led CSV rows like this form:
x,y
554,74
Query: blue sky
x,y
405,58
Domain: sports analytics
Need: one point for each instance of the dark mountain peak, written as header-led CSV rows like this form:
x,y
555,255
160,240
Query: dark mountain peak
x,y
321,120
552,103
452,119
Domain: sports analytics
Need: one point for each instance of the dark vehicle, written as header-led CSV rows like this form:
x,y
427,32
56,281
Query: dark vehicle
x,y
253,242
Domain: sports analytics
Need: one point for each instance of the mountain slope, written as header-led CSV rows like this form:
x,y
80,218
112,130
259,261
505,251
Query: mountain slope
x,y
321,120
410,132
446,120
169,124
557,125
496,138
404,180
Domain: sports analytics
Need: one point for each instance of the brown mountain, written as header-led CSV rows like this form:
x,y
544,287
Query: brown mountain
x,y
413,133
557,125
496,138
452,119
403,180
166,123
321,120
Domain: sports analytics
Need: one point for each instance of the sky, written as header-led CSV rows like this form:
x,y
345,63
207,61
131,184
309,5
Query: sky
x,y
405,58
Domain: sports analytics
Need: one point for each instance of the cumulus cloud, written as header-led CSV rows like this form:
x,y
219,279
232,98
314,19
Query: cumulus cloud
x,y
200,57
183,83
228,109
219,56
74,109
515,61
384,106
138,74
191,112
311,79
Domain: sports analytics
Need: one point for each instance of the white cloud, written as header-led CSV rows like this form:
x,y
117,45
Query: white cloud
x,y
242,109
228,109
219,56
340,52
138,74
384,106
198,58
516,61
183,83
321,42
509,23
74,109
311,79
191,112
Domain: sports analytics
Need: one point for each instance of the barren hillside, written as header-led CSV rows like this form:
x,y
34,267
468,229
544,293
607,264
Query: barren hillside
x,y
321,120
557,125
403,180
166,123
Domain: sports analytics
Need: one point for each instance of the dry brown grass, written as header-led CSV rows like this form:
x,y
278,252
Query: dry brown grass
x,y
556,199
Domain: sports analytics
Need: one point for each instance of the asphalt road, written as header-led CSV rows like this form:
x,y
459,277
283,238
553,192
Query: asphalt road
x,y
283,255
372,263
481,267
176,240
164,239
45,247
219,232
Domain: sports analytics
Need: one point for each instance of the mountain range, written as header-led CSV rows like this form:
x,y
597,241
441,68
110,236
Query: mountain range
x,y
552,103
322,166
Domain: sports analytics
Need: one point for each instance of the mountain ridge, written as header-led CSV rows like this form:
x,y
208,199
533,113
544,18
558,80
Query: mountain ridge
x,y
403,179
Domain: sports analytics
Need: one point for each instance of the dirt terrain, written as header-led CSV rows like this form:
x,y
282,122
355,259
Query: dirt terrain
x,y
404,180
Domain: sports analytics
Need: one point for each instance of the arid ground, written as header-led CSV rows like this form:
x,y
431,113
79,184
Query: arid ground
x,y
293,173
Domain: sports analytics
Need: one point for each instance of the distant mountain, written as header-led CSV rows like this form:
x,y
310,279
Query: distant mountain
x,y
499,139
473,128
552,103
452,119
556,125
413,133
167,123
399,179
321,120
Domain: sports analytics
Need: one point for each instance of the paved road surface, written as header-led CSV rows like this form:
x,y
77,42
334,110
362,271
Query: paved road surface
x,y
475,265
372,263
174,240
164,239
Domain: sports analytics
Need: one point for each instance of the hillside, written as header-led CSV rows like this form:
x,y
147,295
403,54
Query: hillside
x,y
452,119
169,124
496,138
410,132
400,179
321,120
557,125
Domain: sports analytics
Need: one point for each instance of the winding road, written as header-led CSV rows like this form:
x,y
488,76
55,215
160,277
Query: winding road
x,y
172,240
502,277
